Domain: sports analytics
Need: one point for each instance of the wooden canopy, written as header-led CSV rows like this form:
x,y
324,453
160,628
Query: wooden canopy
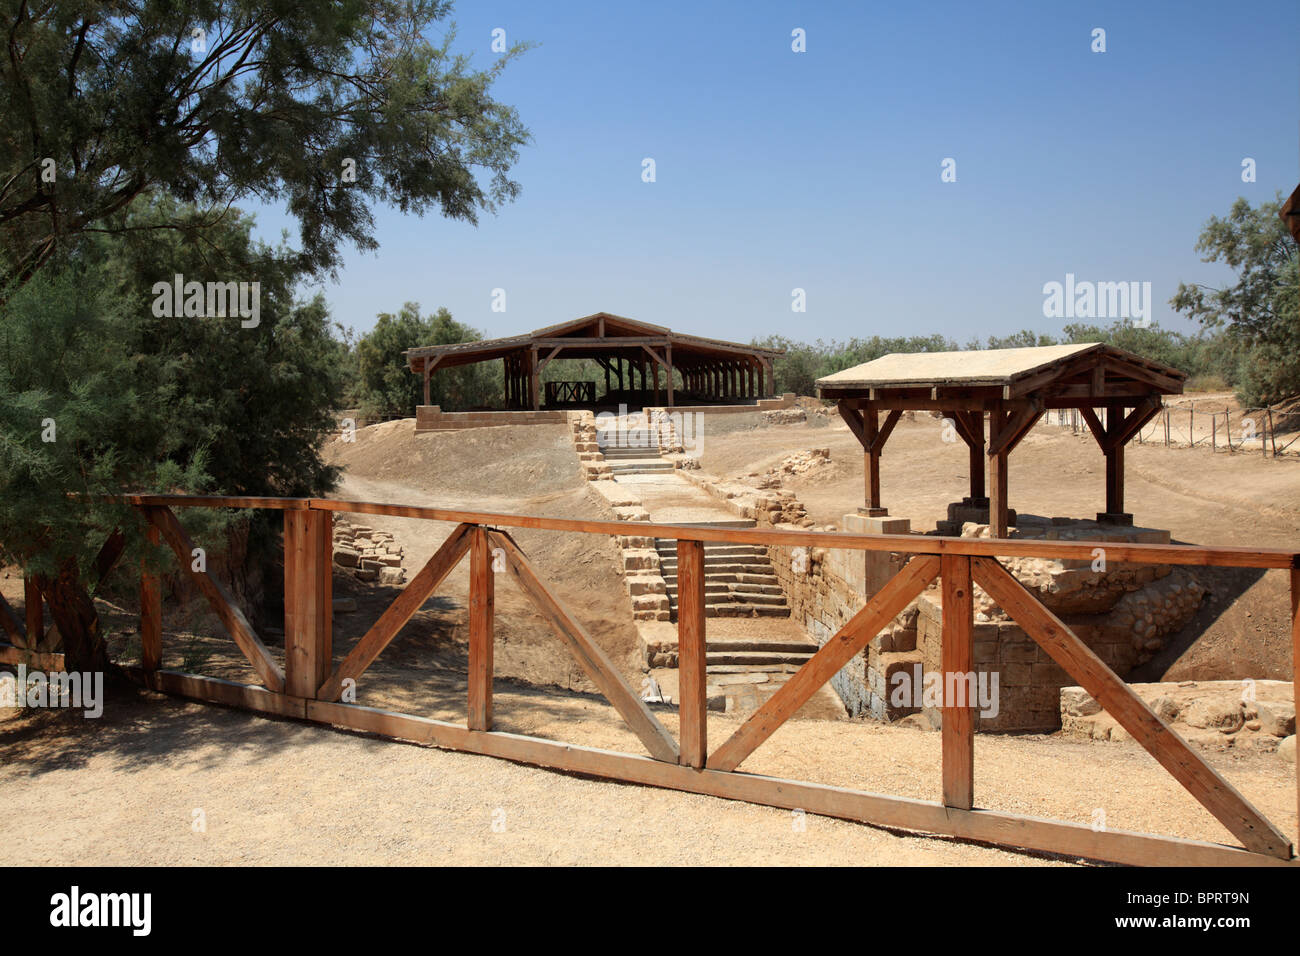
x,y
1012,388
711,370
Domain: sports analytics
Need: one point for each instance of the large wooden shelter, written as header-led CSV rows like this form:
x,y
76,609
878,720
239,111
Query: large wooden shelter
x,y
710,370
1116,393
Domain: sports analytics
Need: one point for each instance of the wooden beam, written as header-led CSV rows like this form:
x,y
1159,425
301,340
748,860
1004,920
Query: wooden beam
x,y
1095,426
853,417
885,431
398,613
915,576
107,557
1023,417
1187,766
482,605
218,597
151,607
593,660
958,661
1295,647
308,600
691,659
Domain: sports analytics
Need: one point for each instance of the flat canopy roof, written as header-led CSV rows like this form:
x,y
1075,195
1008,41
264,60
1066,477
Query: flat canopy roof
x,y
1007,368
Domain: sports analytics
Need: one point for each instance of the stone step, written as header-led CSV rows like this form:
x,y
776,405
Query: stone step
x,y
669,549
767,592
756,658
770,647
722,568
744,609
746,597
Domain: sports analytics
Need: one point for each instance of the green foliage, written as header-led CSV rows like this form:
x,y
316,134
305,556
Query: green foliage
x,y
1259,313
140,402
279,103
385,383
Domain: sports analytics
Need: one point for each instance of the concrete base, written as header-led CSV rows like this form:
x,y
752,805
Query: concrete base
x,y
1115,517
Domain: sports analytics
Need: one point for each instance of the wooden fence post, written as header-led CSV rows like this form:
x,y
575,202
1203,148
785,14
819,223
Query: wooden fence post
x,y
958,659
150,609
482,608
1295,653
692,680
308,600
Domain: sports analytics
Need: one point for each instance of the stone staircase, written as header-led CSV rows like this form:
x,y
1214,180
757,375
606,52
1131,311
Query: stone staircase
x,y
634,452
738,581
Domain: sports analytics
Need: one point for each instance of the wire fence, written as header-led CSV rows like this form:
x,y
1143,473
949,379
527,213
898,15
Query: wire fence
x,y
1243,431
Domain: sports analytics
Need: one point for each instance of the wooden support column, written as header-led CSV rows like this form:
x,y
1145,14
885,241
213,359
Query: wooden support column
x,y
533,395
1114,449
482,606
34,612
977,460
958,660
997,474
656,380
871,459
426,381
150,610
668,356
692,679
308,600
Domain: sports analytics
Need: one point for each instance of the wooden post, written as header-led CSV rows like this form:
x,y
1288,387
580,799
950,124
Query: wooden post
x,y
958,658
34,612
668,358
977,488
482,606
871,458
308,600
1271,433
150,610
426,381
656,380
1114,470
532,380
998,511
692,679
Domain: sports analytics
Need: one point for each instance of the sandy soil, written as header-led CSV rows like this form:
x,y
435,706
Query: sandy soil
x,y
123,790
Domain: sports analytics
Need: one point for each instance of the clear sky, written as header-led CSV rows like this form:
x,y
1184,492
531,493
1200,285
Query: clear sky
x,y
820,170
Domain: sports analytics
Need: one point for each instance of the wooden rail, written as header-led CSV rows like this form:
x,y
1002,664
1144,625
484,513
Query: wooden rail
x,y
310,688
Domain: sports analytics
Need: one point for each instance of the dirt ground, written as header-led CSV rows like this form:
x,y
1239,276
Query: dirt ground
x,y
1242,630
124,790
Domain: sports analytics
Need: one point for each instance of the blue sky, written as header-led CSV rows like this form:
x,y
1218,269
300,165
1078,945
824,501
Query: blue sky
x,y
821,170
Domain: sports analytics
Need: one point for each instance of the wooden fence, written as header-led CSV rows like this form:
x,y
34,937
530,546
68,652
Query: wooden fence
x,y
310,684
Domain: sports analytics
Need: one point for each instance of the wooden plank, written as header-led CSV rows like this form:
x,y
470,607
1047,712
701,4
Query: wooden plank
x,y
1181,554
107,557
958,659
829,659
482,605
396,615
1200,780
308,600
853,418
692,674
1095,426
593,660
1013,830
214,690
150,609
1009,434
218,597
998,483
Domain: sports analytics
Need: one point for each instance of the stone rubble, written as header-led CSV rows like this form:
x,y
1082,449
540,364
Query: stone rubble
x,y
370,555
